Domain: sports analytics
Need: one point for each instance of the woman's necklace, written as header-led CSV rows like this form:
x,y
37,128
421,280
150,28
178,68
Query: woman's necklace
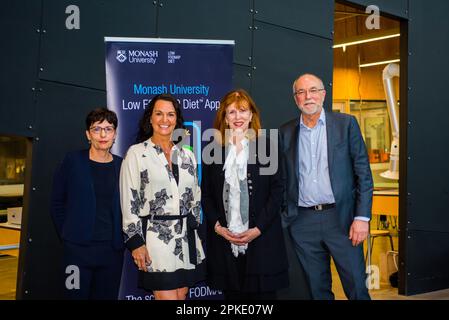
x,y
167,155
166,150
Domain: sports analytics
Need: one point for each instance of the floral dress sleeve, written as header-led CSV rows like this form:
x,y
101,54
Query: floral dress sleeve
x,y
193,193
196,205
132,199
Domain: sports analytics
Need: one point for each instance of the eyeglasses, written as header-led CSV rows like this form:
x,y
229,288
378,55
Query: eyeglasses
x,y
108,130
311,91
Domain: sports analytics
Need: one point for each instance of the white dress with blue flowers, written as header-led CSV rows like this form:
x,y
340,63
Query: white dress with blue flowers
x,y
151,198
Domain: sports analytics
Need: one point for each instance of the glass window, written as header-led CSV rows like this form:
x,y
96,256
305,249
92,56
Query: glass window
x,y
375,126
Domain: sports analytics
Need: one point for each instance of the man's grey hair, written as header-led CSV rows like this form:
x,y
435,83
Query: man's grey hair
x,y
310,75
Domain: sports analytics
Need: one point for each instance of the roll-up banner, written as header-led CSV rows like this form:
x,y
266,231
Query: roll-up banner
x,y
197,72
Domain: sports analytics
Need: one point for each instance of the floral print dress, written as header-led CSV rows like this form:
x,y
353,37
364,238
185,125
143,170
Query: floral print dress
x,y
151,198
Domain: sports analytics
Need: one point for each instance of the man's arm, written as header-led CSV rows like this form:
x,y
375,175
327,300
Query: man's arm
x,y
362,171
364,184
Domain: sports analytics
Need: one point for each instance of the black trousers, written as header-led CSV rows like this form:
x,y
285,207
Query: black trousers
x,y
317,235
99,268
242,295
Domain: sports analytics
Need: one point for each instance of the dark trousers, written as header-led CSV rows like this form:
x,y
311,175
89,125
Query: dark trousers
x,y
100,269
240,263
317,235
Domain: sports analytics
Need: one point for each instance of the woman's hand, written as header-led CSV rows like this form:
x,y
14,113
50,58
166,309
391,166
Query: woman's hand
x,y
247,236
141,258
225,233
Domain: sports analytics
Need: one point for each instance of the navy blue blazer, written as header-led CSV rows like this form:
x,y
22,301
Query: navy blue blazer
x,y
349,169
73,200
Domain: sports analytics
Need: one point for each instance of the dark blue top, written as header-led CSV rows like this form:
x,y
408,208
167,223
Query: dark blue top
x,y
104,181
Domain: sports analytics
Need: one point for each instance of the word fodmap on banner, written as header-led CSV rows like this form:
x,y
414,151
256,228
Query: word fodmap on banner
x,y
196,72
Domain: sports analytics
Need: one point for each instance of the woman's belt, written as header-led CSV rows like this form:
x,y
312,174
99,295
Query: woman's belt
x,y
192,225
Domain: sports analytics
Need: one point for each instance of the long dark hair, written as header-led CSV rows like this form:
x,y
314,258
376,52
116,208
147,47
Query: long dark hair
x,y
145,127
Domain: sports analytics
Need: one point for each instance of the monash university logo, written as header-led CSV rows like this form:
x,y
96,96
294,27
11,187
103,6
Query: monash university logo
x,y
121,55
143,56
172,57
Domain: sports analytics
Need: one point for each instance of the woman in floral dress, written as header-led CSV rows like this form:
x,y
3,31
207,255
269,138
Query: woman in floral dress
x,y
160,199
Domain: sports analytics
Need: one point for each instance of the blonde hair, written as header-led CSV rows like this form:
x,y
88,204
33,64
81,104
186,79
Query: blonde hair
x,y
243,101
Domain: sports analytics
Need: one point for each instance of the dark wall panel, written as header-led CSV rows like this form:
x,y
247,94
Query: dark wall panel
x,y
428,263
19,22
241,77
199,19
298,15
428,79
280,56
77,56
60,127
426,236
398,8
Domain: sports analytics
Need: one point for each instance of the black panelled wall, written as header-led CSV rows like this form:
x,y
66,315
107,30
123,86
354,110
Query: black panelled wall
x,y
425,193
20,22
76,57
424,119
52,76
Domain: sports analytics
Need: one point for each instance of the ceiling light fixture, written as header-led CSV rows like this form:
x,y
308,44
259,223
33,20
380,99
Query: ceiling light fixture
x,y
392,33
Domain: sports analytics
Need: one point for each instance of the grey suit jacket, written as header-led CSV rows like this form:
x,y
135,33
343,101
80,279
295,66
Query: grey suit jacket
x,y
349,169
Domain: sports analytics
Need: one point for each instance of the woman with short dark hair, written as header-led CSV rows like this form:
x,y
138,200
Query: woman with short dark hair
x,y
85,207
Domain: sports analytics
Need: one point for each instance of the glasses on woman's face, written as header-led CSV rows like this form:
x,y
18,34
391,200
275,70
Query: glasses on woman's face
x,y
107,130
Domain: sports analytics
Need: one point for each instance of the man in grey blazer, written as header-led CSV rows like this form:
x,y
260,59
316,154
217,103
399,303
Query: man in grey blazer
x,y
328,191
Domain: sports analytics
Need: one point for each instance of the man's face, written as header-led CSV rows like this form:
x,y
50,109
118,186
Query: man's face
x,y
309,94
